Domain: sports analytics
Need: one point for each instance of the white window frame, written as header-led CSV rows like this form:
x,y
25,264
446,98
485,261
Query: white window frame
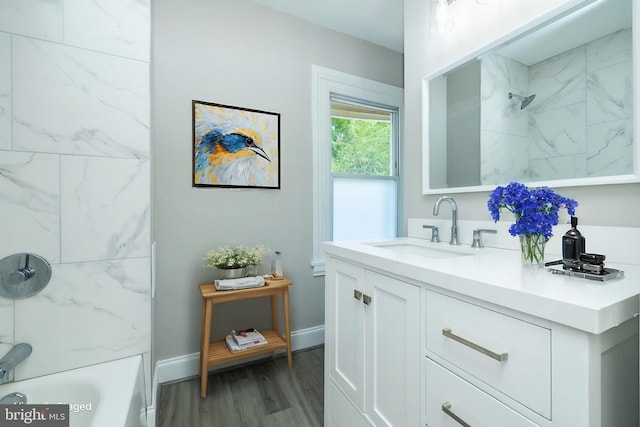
x,y
325,83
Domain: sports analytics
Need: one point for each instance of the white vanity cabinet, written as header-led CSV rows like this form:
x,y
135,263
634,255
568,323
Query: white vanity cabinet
x,y
435,346
372,348
488,366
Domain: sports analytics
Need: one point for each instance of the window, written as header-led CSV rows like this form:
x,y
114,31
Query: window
x,y
363,170
356,186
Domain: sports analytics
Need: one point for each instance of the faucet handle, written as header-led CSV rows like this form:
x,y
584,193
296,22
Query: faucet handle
x,y
435,233
477,236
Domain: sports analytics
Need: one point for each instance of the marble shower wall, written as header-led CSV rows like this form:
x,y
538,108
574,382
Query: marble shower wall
x,y
504,126
581,120
580,123
75,178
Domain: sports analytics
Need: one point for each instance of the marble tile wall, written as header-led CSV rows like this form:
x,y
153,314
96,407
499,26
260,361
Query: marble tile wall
x,y
504,126
610,105
558,138
580,123
5,92
75,178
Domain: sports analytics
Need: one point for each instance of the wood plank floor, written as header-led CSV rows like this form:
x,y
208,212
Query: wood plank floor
x,y
263,393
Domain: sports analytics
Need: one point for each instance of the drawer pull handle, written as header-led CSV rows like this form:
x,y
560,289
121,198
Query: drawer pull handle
x,y
366,299
499,357
446,408
357,294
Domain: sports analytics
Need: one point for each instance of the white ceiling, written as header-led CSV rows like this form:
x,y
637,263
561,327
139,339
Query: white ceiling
x,y
377,21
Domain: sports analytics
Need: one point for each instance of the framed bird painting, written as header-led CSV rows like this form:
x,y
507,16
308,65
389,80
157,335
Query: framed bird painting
x,y
235,147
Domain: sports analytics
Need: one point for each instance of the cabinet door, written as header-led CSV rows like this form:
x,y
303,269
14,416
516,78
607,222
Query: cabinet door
x,y
344,328
342,413
392,355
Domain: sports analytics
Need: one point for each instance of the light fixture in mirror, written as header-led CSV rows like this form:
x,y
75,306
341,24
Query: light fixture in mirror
x,y
443,22
443,14
554,106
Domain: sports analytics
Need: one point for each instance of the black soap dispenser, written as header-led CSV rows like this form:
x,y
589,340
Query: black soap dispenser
x,y
573,243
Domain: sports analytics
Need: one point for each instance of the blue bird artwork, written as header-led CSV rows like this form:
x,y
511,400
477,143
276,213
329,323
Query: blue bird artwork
x,y
235,147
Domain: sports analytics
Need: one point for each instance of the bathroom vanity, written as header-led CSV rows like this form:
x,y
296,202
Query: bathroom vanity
x,y
421,333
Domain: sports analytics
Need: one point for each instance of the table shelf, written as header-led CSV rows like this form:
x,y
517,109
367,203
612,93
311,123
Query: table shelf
x,y
216,352
220,353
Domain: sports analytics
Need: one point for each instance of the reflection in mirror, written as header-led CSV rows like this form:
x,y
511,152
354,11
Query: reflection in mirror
x,y
554,104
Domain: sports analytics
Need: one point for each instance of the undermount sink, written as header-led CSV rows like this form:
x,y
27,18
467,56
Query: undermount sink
x,y
408,248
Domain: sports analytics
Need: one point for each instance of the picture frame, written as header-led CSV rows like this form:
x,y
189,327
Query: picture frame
x,y
235,147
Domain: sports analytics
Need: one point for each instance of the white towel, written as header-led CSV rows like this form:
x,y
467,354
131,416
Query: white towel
x,y
242,283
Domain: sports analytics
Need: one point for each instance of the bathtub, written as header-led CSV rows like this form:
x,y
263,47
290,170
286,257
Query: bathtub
x,y
109,394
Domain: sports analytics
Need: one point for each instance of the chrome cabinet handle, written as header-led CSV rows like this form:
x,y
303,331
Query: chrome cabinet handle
x,y
446,408
366,299
357,294
499,357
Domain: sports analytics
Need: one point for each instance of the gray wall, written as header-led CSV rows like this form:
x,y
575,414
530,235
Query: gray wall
x,y
616,205
463,126
238,53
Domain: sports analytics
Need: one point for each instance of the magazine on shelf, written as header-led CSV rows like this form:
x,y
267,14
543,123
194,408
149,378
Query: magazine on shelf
x,y
233,346
248,337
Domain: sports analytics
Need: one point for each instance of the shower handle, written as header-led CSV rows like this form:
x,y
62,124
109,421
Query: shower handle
x,y
22,274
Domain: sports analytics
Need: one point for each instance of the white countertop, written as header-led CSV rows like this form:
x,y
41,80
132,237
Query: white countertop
x,y
498,277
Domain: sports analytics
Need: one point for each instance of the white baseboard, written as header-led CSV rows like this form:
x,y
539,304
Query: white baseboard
x,y
186,366
305,338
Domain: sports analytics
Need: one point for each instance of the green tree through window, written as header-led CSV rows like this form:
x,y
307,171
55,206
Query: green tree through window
x,y
360,147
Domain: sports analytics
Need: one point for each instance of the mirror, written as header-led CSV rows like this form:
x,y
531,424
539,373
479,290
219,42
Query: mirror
x,y
553,106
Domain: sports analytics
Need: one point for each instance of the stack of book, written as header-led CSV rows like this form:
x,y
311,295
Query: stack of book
x,y
244,340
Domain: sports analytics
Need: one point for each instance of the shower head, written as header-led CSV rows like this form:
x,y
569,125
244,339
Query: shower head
x,y
525,100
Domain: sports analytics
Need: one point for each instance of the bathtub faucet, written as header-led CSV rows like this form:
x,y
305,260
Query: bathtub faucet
x,y
13,358
14,398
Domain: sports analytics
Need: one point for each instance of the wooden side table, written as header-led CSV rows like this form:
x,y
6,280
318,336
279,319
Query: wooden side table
x,y
215,352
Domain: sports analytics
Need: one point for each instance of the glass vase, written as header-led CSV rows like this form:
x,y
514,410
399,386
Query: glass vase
x,y
532,246
276,266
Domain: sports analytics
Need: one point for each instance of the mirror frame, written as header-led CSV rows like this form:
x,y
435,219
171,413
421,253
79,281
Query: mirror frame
x,y
508,38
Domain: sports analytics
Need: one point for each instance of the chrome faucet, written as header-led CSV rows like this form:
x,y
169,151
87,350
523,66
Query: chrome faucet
x,y
13,358
14,398
454,217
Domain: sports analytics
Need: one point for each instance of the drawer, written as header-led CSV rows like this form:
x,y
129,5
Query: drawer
x,y
472,338
463,400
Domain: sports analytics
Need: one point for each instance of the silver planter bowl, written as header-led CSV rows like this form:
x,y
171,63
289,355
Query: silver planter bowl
x,y
233,273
